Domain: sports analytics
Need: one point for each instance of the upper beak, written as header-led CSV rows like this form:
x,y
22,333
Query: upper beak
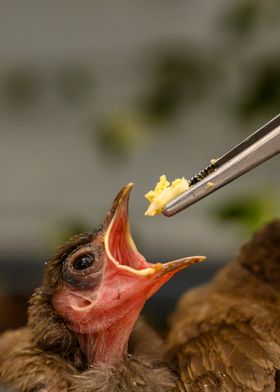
x,y
121,249
121,200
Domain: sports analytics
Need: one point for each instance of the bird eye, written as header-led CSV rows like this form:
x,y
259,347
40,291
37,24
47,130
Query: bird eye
x,y
83,262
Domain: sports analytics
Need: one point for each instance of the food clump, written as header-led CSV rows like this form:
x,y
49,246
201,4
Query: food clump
x,y
163,193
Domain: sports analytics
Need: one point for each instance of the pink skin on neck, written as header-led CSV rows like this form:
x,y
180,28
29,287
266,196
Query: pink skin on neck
x,y
103,325
109,345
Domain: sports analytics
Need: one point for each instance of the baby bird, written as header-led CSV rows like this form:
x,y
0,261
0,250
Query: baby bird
x,y
82,333
225,336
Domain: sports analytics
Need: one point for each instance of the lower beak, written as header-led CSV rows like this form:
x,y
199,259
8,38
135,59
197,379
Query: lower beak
x,y
178,265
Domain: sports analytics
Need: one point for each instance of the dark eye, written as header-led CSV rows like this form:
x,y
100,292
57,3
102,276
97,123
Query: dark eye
x,y
83,262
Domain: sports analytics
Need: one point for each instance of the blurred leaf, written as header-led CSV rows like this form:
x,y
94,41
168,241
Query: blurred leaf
x,y
263,94
116,136
22,87
249,211
241,19
175,77
74,83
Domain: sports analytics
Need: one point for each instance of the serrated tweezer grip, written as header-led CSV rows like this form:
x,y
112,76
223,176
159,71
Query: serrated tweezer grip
x,y
257,148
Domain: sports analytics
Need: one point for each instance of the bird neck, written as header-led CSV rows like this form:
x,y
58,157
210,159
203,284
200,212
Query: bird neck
x,y
111,344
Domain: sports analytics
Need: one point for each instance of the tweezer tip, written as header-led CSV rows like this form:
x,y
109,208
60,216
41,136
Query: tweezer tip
x,y
171,207
167,212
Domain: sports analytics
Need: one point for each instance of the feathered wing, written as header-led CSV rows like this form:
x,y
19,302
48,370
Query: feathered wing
x,y
26,368
225,336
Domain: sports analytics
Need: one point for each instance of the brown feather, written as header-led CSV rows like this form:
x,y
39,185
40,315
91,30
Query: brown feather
x,y
226,335
26,367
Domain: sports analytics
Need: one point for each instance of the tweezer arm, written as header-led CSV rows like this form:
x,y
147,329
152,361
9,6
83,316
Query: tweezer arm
x,y
246,160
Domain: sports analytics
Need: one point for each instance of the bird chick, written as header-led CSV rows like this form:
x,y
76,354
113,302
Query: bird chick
x,y
225,336
81,334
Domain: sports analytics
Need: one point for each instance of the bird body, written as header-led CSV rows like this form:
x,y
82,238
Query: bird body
x,y
26,367
84,333
226,335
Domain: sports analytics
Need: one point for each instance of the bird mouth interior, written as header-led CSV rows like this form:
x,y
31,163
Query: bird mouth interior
x,y
119,245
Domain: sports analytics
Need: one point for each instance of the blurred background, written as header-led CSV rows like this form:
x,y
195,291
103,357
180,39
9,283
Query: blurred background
x,y
94,95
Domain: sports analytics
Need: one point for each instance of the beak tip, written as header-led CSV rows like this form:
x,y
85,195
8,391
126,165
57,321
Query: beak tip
x,y
130,185
122,198
126,190
181,264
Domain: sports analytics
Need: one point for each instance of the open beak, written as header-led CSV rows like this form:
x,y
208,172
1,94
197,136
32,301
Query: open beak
x,y
121,249
109,311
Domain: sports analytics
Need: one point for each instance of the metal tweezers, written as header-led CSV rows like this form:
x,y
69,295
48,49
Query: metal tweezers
x,y
251,152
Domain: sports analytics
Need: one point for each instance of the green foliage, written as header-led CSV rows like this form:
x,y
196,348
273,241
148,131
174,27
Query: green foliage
x,y
176,76
117,135
174,79
241,19
263,94
249,211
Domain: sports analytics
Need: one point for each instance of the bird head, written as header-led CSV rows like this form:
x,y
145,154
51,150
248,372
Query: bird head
x,y
98,283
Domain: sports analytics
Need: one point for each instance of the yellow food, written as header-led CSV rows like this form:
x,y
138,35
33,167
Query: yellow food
x,y
163,193
209,185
